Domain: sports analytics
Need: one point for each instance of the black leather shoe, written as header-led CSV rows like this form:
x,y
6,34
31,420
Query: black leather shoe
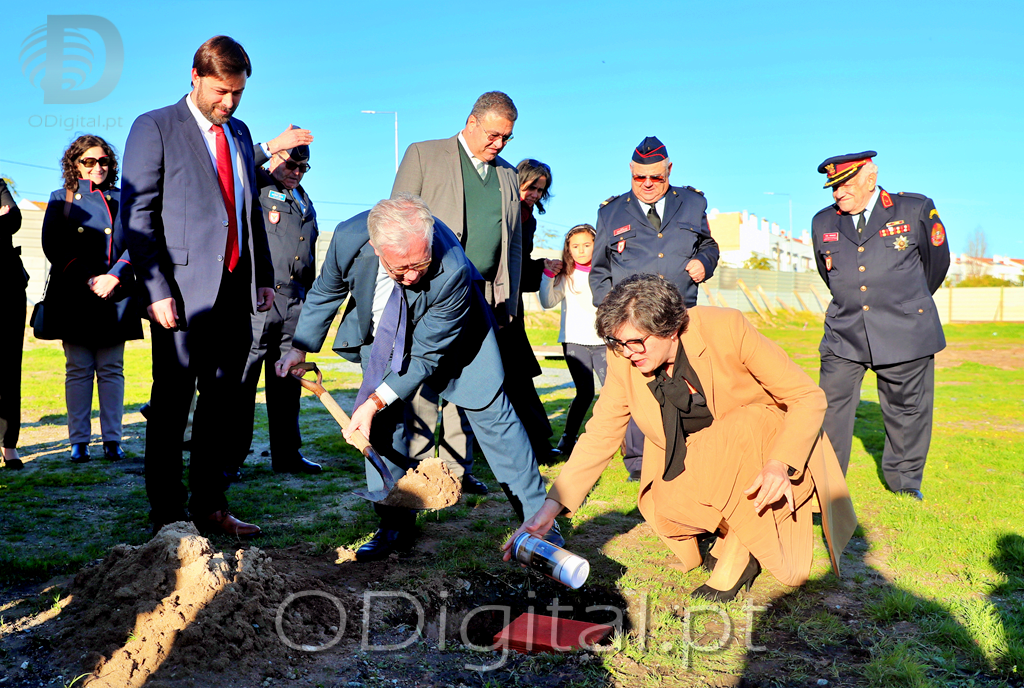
x,y
916,494
14,464
634,477
80,452
565,445
299,464
383,543
554,536
470,485
145,409
746,581
112,451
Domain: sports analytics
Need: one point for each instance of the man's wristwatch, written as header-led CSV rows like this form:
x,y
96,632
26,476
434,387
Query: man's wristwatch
x,y
377,401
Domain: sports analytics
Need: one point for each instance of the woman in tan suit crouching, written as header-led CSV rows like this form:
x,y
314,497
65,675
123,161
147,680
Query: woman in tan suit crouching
x,y
734,440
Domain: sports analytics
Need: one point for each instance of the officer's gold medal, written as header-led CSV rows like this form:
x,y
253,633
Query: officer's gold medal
x,y
901,243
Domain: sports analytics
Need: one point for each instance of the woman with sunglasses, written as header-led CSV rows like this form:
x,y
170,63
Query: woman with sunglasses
x,y
734,441
87,294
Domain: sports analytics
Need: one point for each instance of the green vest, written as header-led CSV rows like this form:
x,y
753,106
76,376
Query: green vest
x,y
482,236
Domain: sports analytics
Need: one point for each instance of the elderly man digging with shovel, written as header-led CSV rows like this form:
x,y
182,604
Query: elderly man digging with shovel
x,y
414,314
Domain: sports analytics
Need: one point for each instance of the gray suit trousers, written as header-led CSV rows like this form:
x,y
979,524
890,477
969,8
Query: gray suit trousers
x,y
107,365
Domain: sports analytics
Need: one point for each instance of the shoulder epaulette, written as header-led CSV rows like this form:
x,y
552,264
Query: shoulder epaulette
x,y
609,200
690,188
908,194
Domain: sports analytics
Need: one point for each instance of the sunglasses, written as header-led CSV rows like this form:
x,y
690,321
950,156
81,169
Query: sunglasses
x,y
493,136
655,179
635,346
89,163
300,166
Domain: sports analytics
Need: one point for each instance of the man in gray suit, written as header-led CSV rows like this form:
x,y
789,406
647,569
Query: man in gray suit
x,y
470,188
448,339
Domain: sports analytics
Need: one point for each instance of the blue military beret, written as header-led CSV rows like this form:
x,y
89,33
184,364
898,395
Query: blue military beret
x,y
650,151
839,168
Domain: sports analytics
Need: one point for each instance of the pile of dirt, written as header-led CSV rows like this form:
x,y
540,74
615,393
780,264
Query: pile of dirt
x,y
430,486
176,605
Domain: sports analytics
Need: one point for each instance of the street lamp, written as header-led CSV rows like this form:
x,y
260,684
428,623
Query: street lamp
x,y
388,112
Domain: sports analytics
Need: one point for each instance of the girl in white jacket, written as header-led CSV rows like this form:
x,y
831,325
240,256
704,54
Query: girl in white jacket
x,y
568,282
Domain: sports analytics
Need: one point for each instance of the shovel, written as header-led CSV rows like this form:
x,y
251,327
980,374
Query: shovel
x,y
360,442
430,486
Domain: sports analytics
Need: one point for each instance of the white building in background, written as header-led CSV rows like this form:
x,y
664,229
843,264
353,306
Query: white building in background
x,y
962,265
740,234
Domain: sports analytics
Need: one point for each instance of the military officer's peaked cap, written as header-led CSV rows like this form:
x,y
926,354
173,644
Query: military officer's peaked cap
x,y
650,151
839,168
299,153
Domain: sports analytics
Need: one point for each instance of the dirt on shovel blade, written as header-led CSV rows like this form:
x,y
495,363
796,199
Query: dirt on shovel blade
x,y
430,486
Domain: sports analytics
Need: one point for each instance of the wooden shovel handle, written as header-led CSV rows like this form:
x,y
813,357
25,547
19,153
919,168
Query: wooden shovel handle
x,y
298,371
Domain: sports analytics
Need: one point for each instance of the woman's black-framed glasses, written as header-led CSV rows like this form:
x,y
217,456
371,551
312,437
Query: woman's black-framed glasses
x,y
633,346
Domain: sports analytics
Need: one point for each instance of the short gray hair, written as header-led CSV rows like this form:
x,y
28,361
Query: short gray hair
x,y
494,103
649,303
392,223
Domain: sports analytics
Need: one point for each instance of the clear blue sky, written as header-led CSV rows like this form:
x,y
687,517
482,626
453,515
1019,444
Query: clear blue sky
x,y
748,97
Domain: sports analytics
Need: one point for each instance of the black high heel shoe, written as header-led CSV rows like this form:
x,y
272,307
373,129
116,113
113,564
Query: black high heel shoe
x,y
746,581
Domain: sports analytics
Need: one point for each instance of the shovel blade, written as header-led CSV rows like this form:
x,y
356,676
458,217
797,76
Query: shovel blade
x,y
372,495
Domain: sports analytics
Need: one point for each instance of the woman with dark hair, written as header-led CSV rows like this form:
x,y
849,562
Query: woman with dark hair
x,y
568,283
516,353
90,281
734,441
12,318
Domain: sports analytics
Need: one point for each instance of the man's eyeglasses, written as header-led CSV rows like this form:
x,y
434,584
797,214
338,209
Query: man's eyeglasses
x,y
655,178
89,163
633,346
493,136
399,273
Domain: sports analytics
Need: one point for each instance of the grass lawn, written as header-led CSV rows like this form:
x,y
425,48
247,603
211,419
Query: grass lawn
x,y
932,592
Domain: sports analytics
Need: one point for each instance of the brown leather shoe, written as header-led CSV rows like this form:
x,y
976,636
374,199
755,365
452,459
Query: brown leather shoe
x,y
224,522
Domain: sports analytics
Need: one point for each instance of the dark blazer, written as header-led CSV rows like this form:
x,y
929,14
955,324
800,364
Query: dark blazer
x,y
174,217
89,242
12,272
292,238
882,280
626,244
451,337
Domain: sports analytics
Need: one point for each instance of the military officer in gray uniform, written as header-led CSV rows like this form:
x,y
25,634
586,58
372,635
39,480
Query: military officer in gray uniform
x,y
882,256
658,229
292,232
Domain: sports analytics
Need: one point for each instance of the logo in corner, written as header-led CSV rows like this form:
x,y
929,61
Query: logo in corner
x,y
61,58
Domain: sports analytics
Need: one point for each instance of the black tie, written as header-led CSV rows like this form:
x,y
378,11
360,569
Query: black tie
x,y
861,222
652,217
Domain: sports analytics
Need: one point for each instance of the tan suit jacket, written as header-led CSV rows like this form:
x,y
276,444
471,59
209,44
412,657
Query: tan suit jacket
x,y
433,171
737,366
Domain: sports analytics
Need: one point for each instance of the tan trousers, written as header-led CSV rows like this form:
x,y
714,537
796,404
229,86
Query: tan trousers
x,y
722,461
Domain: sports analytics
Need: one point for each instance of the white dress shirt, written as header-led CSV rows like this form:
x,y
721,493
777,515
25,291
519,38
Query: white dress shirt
x,y
237,167
480,165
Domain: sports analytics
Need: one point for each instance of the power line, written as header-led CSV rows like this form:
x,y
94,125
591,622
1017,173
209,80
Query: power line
x,y
28,164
